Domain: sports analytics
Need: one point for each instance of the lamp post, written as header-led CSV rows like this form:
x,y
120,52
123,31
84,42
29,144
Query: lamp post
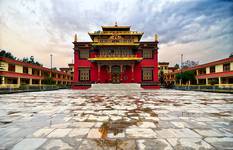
x,y
51,61
181,67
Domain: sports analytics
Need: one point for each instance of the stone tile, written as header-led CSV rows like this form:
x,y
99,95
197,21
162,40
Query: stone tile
x,y
213,132
146,125
79,132
94,133
98,144
116,135
178,133
189,143
58,133
140,133
83,124
8,143
126,144
57,144
42,132
220,143
153,144
29,144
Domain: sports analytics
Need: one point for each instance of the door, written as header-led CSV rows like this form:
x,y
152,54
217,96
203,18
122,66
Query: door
x,y
116,74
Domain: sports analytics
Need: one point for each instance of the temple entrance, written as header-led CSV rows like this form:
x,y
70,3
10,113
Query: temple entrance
x,y
116,74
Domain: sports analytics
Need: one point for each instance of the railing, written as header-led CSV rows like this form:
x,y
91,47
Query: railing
x,y
117,32
114,41
227,88
116,56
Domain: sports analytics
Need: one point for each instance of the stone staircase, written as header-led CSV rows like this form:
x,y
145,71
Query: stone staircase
x,y
113,87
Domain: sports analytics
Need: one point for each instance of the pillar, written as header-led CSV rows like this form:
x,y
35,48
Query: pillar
x,y
40,82
121,72
132,71
206,81
30,81
197,81
18,81
98,76
219,81
110,72
180,82
3,79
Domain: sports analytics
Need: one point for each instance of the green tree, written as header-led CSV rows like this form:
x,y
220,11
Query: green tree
x,y
177,66
231,55
186,76
3,53
189,64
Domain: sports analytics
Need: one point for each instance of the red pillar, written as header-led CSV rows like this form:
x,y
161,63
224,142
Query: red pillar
x,y
132,72
110,73
121,72
98,78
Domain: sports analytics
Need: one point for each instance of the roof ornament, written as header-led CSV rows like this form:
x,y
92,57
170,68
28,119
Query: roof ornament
x,y
156,37
75,38
115,24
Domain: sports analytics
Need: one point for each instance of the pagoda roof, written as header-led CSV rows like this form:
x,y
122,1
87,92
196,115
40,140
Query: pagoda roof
x,y
115,28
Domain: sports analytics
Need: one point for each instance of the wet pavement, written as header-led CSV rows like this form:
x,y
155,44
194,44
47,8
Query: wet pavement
x,y
111,119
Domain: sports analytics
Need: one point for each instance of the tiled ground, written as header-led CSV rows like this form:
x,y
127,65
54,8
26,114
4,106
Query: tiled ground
x,y
116,119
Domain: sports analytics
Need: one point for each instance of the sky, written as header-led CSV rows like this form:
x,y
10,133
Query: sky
x,y
201,30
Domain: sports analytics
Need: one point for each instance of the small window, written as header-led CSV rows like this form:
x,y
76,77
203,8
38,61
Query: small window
x,y
147,53
147,74
226,67
84,75
83,54
212,69
11,67
25,70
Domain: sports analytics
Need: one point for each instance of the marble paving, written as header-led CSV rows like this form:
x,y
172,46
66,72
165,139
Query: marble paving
x,y
116,119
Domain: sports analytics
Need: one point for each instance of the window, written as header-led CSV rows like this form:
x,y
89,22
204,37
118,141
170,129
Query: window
x,y
83,54
212,69
25,70
84,74
147,74
11,67
226,67
147,53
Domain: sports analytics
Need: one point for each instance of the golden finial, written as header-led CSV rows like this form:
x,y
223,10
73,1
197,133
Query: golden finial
x,y
156,37
75,38
115,24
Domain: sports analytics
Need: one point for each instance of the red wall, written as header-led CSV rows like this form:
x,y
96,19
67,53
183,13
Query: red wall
x,y
105,75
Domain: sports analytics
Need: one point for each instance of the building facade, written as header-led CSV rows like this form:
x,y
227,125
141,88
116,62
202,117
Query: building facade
x,y
115,55
218,72
15,73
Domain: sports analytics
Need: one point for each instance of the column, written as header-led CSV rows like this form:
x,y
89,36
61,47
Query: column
x,y
132,71
206,81
121,72
18,81
40,82
219,81
197,81
110,72
3,80
30,81
98,72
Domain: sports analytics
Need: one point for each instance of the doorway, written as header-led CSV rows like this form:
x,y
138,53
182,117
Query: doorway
x,y
116,74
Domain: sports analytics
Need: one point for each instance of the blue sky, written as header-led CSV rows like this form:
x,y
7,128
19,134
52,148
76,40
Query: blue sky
x,y
202,30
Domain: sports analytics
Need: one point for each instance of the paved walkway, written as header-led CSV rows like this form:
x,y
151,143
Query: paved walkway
x,y
110,119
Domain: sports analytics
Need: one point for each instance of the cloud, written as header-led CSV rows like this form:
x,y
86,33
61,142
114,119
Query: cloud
x,y
44,27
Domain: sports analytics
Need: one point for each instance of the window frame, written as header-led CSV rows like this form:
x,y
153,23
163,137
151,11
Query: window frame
x,y
152,73
152,53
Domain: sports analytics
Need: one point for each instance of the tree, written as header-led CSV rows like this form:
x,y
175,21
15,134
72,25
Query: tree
x,y
186,76
177,66
231,55
3,53
189,63
161,77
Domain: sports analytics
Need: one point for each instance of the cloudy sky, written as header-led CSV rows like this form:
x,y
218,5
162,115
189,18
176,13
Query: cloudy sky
x,y
202,30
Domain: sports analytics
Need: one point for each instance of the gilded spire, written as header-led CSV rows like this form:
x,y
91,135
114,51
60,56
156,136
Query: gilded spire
x,y
75,38
156,37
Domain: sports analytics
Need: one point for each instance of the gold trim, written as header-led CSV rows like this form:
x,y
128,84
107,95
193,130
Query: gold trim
x,y
115,58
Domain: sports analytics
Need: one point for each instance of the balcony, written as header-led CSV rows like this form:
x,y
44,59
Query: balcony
x,y
115,58
116,42
116,32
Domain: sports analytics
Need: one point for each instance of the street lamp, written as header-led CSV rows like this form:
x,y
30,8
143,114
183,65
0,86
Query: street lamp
x,y
51,61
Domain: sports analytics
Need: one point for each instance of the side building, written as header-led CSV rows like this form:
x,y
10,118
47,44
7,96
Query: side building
x,y
218,72
116,55
14,73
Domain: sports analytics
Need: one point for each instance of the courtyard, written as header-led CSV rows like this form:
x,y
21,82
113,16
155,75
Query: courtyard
x,y
116,117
